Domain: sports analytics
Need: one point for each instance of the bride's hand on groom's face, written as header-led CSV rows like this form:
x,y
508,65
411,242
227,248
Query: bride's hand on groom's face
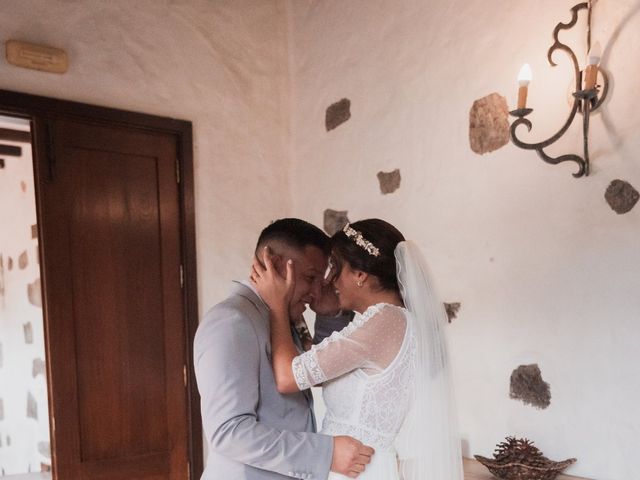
x,y
275,289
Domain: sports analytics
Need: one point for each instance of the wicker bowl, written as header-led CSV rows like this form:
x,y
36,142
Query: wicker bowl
x,y
520,471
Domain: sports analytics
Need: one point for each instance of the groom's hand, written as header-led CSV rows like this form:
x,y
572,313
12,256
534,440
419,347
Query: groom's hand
x,y
350,456
328,303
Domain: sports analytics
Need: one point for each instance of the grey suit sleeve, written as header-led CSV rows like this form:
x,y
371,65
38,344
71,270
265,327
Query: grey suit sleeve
x,y
227,358
324,326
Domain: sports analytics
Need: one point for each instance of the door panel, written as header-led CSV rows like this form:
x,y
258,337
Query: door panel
x,y
112,271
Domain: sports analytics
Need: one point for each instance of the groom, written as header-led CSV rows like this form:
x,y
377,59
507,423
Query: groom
x,y
253,431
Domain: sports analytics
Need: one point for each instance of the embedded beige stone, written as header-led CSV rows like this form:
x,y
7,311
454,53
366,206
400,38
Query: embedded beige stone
x,y
23,260
28,333
452,310
37,367
337,114
621,196
527,385
389,181
32,407
45,449
34,293
335,220
489,124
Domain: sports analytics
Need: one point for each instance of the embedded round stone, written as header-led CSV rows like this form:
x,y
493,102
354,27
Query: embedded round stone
x,y
621,196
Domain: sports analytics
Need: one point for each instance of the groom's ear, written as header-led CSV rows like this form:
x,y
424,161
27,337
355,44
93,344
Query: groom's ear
x,y
263,251
276,259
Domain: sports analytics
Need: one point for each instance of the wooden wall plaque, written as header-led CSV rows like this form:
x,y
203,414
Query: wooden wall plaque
x,y
36,57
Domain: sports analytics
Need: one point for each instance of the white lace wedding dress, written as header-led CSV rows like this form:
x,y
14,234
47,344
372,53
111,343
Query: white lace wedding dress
x,y
367,370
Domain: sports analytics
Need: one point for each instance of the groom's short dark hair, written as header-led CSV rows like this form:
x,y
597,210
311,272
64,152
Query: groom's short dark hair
x,y
295,233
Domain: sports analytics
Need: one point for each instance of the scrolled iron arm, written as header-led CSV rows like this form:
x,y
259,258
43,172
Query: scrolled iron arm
x,y
586,99
539,147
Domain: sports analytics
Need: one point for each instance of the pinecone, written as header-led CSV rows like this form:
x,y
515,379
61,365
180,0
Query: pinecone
x,y
519,450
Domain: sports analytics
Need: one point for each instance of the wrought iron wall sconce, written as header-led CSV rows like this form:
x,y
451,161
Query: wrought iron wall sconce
x,y
587,96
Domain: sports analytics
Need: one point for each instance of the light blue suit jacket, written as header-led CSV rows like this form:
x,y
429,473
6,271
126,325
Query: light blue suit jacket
x,y
253,432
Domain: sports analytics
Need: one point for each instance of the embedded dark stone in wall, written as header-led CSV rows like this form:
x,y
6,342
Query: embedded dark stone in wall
x,y
34,293
452,310
527,385
28,333
37,367
45,449
489,124
621,196
337,114
23,260
389,181
1,163
32,407
335,220
34,231
9,263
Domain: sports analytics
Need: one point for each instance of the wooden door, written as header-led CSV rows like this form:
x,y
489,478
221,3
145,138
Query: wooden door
x,y
111,234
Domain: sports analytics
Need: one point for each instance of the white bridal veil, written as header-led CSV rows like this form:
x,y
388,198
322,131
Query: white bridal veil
x,y
428,443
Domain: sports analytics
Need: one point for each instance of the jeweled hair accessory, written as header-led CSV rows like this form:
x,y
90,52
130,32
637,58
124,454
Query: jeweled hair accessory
x,y
360,240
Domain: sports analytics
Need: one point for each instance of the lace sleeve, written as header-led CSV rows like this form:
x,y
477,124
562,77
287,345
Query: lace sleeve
x,y
371,342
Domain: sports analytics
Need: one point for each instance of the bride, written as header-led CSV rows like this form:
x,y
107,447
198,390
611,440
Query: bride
x,y
385,376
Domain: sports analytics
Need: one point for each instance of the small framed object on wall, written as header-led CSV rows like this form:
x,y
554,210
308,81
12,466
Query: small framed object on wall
x,y
36,57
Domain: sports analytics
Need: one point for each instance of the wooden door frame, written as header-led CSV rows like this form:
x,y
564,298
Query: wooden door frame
x,y
40,111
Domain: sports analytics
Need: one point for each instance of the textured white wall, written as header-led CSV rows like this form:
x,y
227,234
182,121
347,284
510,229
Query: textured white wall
x,y
546,272
24,431
220,64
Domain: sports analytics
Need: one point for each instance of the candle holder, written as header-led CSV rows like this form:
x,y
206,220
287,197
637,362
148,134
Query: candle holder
x,y
585,102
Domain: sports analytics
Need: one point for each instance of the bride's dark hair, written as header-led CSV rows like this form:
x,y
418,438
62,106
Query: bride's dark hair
x,y
384,236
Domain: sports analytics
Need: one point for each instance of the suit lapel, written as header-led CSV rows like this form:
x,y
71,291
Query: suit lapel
x,y
307,393
244,291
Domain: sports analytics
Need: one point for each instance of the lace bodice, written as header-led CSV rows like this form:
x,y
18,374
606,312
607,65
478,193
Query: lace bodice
x,y
366,370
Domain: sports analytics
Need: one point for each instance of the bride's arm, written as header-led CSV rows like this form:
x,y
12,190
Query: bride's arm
x,y
370,344
276,293
283,351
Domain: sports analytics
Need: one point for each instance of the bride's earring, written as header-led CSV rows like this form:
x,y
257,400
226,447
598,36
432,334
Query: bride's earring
x,y
359,283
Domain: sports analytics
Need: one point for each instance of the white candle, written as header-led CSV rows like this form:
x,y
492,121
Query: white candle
x,y
591,72
524,77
